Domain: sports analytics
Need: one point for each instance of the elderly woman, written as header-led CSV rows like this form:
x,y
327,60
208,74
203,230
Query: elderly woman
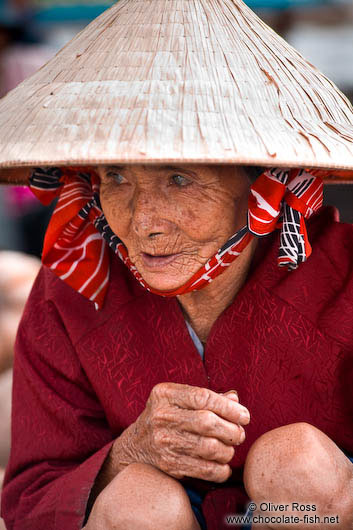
x,y
136,406
166,369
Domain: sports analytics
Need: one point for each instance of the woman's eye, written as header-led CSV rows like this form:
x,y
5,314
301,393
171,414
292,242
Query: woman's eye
x,y
116,177
180,180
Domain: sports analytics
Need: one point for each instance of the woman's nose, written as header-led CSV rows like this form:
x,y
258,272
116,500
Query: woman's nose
x,y
151,215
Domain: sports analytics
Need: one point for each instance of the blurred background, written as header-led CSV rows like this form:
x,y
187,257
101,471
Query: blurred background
x,y
31,32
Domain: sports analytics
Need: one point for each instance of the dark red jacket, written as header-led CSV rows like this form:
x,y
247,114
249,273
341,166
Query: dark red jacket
x,y
82,376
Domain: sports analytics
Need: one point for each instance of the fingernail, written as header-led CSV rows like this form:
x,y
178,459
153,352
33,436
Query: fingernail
x,y
233,394
245,416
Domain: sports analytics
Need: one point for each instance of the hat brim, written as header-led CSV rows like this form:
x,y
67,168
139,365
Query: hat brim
x,y
20,176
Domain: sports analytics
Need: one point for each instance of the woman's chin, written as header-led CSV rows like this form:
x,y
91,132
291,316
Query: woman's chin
x,y
162,281
165,273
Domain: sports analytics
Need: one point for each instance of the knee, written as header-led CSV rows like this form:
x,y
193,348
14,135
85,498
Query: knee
x,y
141,496
279,449
297,460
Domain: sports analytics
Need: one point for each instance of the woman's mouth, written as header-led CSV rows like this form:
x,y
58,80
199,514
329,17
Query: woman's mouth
x,y
158,261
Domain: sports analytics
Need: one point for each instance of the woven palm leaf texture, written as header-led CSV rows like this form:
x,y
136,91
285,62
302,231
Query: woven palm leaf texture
x,y
193,81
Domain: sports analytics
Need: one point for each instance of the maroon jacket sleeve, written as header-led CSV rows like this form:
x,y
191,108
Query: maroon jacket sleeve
x,y
60,437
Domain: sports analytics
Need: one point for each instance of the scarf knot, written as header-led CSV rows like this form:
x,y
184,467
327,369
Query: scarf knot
x,y
282,198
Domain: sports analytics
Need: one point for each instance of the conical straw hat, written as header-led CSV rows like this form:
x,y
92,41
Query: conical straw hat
x,y
154,81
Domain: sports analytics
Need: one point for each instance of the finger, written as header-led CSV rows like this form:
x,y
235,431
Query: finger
x,y
185,443
205,447
189,466
197,398
203,423
207,423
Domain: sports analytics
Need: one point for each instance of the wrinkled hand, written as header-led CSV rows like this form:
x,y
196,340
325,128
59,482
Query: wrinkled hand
x,y
185,431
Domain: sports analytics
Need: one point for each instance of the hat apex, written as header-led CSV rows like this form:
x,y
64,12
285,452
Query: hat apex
x,y
155,81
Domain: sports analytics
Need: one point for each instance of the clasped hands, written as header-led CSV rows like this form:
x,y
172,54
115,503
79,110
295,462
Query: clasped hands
x,y
185,431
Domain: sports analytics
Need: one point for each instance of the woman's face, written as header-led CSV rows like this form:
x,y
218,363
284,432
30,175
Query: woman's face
x,y
172,219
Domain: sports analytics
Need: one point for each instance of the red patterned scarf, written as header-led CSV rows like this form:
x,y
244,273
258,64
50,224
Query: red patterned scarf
x,y
78,235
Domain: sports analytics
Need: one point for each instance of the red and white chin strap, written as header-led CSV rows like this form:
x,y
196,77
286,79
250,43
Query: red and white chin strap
x,y
78,235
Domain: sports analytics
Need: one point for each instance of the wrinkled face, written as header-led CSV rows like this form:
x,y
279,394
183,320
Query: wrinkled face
x,y
173,219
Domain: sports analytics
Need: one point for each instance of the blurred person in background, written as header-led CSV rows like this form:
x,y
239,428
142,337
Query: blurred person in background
x,y
17,273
